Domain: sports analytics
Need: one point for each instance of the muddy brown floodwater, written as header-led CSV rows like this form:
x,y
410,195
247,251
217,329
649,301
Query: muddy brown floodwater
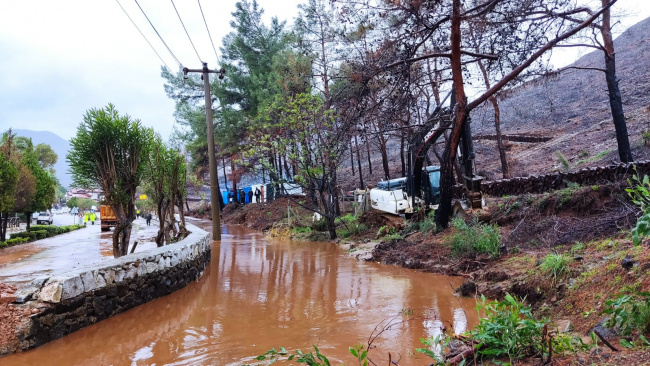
x,y
258,294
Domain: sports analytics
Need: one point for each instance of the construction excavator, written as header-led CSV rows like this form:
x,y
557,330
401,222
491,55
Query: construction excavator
x,y
419,191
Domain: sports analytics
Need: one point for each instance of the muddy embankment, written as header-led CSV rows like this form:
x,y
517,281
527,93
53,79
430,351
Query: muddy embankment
x,y
588,227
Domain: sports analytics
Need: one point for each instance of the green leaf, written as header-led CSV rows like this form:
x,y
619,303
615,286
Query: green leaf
x,y
625,343
354,352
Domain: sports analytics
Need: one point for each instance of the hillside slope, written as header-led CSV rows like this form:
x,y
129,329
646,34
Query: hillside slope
x,y
60,147
573,108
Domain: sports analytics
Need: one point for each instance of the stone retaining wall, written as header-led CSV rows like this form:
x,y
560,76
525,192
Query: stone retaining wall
x,y
515,138
549,182
65,303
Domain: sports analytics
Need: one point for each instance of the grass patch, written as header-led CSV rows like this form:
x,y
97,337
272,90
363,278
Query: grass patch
x,y
475,239
556,264
564,162
596,157
350,230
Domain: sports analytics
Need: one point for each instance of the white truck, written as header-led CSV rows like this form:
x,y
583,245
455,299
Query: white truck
x,y
45,218
391,196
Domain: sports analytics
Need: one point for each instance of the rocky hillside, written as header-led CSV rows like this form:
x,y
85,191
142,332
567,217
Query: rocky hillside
x,y
573,108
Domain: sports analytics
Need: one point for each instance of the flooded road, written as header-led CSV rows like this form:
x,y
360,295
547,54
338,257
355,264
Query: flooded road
x,y
23,263
259,293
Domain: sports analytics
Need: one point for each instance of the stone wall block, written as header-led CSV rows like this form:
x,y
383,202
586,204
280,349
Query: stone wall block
x,y
161,264
71,287
109,276
119,275
141,270
89,281
101,282
130,272
151,267
51,292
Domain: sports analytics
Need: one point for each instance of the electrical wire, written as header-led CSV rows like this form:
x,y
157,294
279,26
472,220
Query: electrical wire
x,y
159,36
145,38
208,29
188,35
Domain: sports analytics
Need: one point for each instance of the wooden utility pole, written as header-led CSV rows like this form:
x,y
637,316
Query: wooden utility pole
x,y
214,198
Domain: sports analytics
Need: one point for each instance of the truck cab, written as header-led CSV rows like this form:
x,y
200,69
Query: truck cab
x,y
45,218
392,196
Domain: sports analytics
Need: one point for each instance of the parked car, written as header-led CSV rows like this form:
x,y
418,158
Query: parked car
x,y
45,218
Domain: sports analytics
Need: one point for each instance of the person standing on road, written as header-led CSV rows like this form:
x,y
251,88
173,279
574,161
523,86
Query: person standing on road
x,y
149,219
85,218
92,217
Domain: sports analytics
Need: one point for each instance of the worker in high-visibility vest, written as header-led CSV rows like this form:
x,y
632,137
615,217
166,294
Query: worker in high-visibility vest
x,y
92,217
85,218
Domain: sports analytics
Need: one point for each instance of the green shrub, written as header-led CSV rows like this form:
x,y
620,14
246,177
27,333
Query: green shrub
x,y
349,218
429,224
24,234
300,230
563,160
351,230
509,329
394,236
639,192
298,356
50,229
435,346
630,313
15,241
477,238
319,225
556,264
40,234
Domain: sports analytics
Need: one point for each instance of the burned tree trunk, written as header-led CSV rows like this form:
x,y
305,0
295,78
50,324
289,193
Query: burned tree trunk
x,y
369,159
449,155
356,143
352,157
497,123
401,155
615,99
384,158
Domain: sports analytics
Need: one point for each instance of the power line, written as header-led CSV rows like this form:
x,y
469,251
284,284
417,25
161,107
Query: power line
x,y
159,36
188,35
145,38
208,29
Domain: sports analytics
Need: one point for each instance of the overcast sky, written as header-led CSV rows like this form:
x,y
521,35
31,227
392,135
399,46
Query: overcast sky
x,y
59,58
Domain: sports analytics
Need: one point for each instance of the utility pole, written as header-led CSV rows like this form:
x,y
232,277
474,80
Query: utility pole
x,y
214,198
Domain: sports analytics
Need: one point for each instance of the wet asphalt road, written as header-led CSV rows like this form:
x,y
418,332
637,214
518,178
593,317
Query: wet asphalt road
x,y
42,258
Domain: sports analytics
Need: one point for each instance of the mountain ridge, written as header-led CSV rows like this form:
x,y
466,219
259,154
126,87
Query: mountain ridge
x,y
58,144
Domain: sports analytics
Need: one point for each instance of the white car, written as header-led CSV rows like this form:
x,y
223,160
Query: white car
x,y
45,218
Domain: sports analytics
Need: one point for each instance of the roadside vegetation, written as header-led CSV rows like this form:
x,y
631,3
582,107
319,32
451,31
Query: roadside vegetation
x,y
27,180
117,154
38,232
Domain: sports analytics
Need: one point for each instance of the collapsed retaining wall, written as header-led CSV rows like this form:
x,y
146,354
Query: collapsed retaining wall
x,y
67,302
549,182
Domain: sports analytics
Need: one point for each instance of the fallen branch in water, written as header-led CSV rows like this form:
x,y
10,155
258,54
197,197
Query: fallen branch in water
x,y
462,356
